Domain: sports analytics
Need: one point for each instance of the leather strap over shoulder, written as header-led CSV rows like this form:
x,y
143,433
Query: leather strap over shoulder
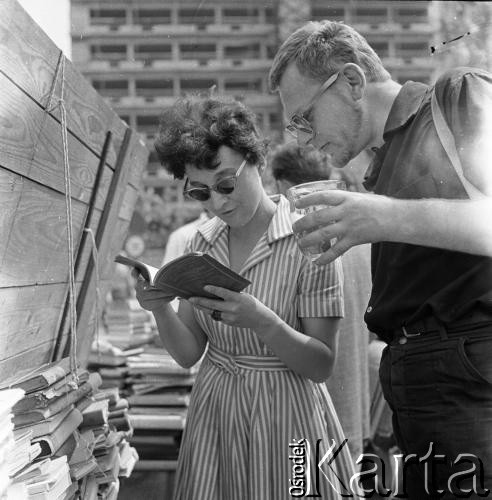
x,y
447,140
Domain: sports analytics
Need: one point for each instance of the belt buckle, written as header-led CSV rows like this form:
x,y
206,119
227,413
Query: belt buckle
x,y
409,335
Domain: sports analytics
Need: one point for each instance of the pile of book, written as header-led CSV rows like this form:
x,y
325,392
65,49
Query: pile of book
x,y
159,399
70,437
127,325
9,464
111,363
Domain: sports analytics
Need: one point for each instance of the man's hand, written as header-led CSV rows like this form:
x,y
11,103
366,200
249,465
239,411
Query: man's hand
x,y
352,218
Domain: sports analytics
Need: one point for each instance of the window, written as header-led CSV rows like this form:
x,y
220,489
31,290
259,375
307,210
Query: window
x,y
108,52
319,13
275,121
240,15
107,17
270,15
241,86
111,88
271,51
197,84
153,52
151,17
381,48
148,125
411,15
371,16
196,16
195,51
125,118
251,51
148,121
154,88
411,49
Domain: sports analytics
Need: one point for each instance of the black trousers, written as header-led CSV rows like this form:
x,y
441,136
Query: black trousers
x,y
440,391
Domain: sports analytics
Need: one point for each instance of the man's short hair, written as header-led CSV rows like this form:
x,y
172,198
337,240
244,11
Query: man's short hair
x,y
319,49
296,165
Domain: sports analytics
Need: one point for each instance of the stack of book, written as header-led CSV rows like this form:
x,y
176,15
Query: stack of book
x,y
62,437
127,325
8,489
111,363
159,399
107,418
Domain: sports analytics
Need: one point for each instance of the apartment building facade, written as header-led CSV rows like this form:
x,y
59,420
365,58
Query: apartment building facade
x,y
142,54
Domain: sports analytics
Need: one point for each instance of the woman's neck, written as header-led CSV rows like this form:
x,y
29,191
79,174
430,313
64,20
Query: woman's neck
x,y
258,224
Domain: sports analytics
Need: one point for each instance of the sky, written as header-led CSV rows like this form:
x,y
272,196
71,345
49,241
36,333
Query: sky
x,y
54,18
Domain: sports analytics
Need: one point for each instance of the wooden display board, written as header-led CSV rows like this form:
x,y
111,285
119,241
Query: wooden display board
x,y
34,269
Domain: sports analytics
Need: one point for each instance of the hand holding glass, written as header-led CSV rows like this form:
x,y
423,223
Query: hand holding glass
x,y
294,194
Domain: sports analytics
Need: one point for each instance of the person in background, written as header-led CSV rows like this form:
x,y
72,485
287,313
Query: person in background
x,y
179,238
268,350
349,382
178,241
428,218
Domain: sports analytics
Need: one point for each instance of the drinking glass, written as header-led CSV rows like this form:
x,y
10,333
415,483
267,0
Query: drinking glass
x,y
297,192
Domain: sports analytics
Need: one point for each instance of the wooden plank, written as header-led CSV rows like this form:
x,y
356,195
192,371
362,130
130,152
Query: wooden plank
x,y
32,147
35,356
156,465
109,244
30,59
33,247
28,316
33,250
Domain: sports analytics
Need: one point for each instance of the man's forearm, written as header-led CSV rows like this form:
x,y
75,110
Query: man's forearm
x,y
459,225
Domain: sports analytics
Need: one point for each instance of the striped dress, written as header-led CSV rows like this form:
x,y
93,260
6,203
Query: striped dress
x,y
248,410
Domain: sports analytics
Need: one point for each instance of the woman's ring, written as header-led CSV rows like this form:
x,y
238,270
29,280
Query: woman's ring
x,y
216,315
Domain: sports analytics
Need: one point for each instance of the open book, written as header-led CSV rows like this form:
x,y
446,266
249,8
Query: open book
x,y
186,275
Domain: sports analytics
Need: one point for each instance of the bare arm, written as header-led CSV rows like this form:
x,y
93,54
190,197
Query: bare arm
x,y
181,335
310,354
356,218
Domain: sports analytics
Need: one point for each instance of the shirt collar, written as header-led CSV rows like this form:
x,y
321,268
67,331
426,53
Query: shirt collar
x,y
280,226
405,107
403,110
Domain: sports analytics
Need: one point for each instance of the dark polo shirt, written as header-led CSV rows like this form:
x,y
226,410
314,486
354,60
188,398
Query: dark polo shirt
x,y
412,282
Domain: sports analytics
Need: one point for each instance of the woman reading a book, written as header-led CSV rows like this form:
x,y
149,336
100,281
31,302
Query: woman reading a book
x,y
259,401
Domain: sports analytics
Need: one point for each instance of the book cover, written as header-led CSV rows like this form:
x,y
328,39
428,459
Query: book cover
x,y
187,275
45,426
50,443
42,398
42,377
60,403
96,414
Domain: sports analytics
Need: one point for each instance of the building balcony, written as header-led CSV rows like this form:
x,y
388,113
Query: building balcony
x,y
149,66
391,28
174,30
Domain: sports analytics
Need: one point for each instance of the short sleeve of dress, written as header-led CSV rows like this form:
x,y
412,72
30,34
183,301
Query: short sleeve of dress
x,y
320,290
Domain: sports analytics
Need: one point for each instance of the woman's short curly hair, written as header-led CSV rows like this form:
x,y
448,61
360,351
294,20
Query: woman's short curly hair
x,y
193,129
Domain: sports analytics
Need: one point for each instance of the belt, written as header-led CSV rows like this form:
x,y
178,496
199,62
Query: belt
x,y
234,364
432,328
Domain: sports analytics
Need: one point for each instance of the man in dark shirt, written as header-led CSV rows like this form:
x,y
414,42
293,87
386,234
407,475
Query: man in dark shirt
x,y
429,222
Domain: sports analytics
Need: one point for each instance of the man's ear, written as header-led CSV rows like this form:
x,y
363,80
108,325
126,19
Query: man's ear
x,y
356,78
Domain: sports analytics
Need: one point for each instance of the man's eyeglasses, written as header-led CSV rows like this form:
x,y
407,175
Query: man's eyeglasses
x,y
224,186
299,122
